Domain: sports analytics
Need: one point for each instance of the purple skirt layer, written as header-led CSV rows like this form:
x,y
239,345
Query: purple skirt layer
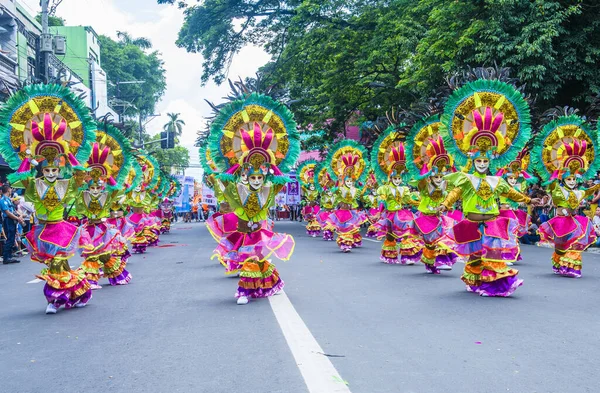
x,y
65,297
503,287
260,292
122,279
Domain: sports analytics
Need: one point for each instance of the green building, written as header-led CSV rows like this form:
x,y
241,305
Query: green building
x,y
82,50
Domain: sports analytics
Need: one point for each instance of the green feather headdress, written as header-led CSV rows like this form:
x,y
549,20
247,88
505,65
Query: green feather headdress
x,y
255,134
348,158
389,155
134,177
566,146
486,117
206,161
120,149
322,179
306,172
32,103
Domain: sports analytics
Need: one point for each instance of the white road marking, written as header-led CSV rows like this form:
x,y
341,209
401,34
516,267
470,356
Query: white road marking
x,y
371,240
35,281
317,370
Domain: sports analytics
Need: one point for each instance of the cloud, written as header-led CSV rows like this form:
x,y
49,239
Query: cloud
x,y
161,25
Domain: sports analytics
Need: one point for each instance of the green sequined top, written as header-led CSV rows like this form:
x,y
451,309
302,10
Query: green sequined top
x,y
479,192
50,199
394,197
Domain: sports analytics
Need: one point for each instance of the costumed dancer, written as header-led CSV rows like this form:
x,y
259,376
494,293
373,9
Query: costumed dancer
x,y
47,127
397,219
107,170
324,186
517,177
564,156
428,162
347,164
371,204
485,126
166,215
310,197
117,210
151,210
254,137
138,199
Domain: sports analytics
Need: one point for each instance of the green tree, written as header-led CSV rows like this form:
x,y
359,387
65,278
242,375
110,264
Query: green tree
x,y
52,20
338,58
126,39
126,62
175,124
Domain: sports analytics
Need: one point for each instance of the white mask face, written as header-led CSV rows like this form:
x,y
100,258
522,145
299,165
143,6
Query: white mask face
x,y
437,180
349,183
571,182
396,180
244,179
311,187
256,181
138,189
50,174
512,180
95,190
482,165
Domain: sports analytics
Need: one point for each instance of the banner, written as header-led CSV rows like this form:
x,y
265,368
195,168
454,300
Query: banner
x,y
208,196
293,192
183,202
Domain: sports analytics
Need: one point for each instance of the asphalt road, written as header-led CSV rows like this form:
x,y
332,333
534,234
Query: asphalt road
x,y
390,329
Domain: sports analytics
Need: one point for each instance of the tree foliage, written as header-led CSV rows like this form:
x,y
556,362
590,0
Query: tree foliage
x,y
175,124
337,58
125,61
52,20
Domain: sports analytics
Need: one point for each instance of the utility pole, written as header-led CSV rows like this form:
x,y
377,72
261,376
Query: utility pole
x,y
46,39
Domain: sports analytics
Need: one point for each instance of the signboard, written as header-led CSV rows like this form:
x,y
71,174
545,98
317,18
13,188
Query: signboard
x,y
208,196
183,202
293,192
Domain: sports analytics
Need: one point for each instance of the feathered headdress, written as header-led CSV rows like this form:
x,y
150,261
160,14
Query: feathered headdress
x,y
426,153
348,159
389,155
566,147
306,172
44,124
150,171
254,134
518,167
111,158
322,178
486,118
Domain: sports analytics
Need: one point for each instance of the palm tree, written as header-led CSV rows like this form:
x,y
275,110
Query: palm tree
x,y
127,39
175,124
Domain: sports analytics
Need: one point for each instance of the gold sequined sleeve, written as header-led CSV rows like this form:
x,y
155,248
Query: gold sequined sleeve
x,y
452,197
592,190
516,196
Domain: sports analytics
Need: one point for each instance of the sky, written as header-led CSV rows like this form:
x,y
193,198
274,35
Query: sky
x,y
161,23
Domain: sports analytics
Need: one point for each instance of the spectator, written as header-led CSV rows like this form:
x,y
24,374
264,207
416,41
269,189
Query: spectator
x,y
532,236
10,218
27,211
